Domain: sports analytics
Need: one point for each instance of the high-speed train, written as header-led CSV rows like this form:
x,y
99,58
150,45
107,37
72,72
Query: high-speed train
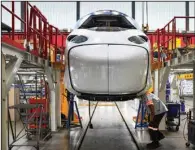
x,y
107,58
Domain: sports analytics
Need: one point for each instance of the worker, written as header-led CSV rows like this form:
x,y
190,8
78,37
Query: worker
x,y
157,109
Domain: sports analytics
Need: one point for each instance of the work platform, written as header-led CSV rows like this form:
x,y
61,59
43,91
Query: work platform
x,y
182,59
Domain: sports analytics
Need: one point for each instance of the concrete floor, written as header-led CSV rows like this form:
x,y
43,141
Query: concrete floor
x,y
110,132
173,141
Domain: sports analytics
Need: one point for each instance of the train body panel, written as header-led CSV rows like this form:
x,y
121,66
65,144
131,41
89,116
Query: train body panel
x,y
107,60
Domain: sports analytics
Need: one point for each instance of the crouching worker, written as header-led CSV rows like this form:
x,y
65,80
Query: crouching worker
x,y
157,110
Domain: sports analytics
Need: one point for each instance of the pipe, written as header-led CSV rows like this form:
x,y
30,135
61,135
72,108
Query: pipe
x,y
158,46
187,13
194,89
22,11
34,32
77,10
133,9
13,20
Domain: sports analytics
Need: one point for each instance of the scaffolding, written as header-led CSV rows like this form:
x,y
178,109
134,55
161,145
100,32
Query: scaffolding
x,y
26,118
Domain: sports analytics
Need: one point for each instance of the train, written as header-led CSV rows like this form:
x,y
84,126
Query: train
x,y
107,58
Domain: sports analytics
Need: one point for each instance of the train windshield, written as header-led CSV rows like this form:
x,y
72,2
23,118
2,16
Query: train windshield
x,y
104,20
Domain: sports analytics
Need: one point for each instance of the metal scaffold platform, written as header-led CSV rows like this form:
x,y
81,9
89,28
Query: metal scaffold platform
x,y
171,47
26,119
38,48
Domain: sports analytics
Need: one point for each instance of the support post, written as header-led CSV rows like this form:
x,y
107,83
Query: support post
x,y
164,77
187,13
162,97
58,100
51,81
78,10
53,111
194,89
22,11
11,71
3,106
160,84
133,9
156,84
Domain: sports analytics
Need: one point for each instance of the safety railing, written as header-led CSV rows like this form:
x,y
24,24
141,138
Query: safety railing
x,y
165,41
39,37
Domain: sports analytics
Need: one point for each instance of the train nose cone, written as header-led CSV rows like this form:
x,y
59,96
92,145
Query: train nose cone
x,y
108,69
88,68
128,66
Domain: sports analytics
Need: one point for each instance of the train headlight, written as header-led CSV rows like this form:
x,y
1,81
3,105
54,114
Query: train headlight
x,y
79,39
136,39
145,38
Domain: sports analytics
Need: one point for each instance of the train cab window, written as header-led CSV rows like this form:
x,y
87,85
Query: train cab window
x,y
107,21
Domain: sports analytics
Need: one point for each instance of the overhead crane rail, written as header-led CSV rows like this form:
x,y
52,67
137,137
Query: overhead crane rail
x,y
38,37
165,41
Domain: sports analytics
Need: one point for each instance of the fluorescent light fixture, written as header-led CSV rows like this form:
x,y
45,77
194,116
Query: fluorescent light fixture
x,y
181,69
27,72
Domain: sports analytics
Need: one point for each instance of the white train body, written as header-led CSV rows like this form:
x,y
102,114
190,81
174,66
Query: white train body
x,y
107,58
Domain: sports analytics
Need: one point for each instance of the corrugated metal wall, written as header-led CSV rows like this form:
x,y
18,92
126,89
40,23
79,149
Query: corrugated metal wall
x,y
88,7
63,14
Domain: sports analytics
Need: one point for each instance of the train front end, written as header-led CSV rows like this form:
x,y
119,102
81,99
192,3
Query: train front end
x,y
107,58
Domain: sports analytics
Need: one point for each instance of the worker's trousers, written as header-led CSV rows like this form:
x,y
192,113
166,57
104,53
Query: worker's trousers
x,y
155,134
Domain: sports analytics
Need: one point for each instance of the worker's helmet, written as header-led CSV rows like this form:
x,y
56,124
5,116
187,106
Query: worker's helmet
x,y
150,90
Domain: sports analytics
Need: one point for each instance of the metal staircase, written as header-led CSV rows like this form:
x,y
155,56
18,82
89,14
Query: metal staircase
x,y
178,47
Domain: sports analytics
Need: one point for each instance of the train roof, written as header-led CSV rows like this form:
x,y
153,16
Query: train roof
x,y
107,15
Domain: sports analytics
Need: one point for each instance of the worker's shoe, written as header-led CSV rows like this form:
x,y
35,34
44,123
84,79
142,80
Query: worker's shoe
x,y
153,135
153,145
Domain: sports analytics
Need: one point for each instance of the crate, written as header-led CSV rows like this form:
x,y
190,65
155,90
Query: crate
x,y
45,118
173,115
173,110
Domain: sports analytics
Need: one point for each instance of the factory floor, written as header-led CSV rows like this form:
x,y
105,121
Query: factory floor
x,y
110,132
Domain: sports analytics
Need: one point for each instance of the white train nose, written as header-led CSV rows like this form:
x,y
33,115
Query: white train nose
x,y
108,69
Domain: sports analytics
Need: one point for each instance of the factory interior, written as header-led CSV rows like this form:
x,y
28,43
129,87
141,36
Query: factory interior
x,y
50,102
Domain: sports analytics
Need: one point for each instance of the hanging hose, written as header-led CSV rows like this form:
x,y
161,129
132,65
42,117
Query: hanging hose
x,y
147,15
145,28
186,119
